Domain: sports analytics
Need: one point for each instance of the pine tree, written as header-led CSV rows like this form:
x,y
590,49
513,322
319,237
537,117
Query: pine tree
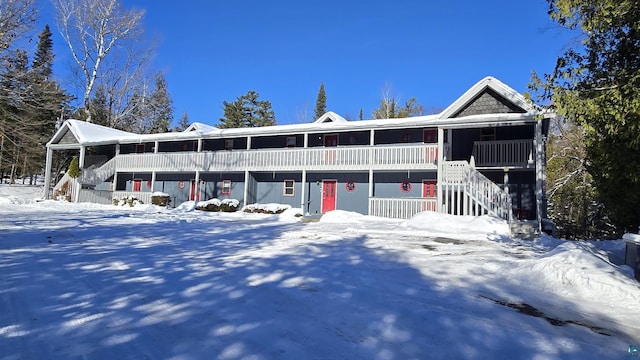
x,y
183,124
247,111
43,58
597,85
161,107
100,112
321,103
361,116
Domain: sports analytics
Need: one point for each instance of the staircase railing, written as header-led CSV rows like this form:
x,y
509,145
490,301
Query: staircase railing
x,y
467,192
95,175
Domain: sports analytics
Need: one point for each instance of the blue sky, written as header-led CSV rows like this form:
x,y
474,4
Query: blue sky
x,y
215,51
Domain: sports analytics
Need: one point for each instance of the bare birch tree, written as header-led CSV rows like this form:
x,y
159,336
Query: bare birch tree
x,y
94,30
16,17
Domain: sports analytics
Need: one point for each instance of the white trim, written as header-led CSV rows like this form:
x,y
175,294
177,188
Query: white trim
x,y
494,84
285,187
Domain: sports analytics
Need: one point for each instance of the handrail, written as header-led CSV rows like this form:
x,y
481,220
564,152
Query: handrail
x,y
503,152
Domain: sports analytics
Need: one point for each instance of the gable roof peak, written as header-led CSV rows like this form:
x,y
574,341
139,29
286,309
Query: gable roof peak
x,y
488,82
330,117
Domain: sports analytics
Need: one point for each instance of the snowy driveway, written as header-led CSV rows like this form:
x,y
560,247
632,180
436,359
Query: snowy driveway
x,y
80,281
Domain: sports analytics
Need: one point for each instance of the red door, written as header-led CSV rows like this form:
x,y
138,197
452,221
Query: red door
x,y
330,140
328,195
195,193
330,155
429,190
137,184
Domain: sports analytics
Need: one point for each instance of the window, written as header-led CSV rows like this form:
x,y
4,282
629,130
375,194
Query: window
x,y
288,188
226,187
228,144
407,137
488,134
291,141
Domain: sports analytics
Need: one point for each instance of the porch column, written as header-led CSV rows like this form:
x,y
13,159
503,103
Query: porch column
x,y
370,191
47,174
77,182
303,187
305,140
439,174
246,188
153,180
155,146
372,137
199,145
540,172
196,187
248,142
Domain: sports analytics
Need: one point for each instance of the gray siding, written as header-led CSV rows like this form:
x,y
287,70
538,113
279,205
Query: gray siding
x,y
269,188
488,102
387,185
356,200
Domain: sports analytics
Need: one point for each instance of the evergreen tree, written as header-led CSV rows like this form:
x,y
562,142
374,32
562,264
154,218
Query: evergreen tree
x,y
161,107
247,111
321,103
74,168
360,116
183,124
43,58
100,112
597,85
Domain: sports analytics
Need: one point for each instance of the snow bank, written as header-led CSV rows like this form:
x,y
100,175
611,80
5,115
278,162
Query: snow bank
x,y
577,270
20,194
445,224
341,217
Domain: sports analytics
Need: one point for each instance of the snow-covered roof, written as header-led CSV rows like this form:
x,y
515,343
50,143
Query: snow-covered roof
x,y
92,134
329,117
494,84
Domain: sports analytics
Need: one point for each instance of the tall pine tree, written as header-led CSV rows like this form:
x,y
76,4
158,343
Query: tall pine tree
x,y
161,107
247,111
321,103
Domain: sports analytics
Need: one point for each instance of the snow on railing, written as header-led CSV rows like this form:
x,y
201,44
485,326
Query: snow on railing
x,y
503,153
400,208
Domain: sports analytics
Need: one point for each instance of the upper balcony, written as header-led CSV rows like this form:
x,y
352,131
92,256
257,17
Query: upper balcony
x,y
420,156
504,153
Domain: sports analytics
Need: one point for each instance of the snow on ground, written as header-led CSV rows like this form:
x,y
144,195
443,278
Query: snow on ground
x,y
106,282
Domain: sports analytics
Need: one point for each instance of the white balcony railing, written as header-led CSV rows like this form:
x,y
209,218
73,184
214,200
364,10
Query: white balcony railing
x,y
503,153
422,156
401,208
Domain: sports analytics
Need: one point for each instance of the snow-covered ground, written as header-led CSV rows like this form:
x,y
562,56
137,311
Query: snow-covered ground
x,y
85,281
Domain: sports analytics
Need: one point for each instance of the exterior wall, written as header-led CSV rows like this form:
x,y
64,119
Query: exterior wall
x,y
356,200
488,102
463,138
522,188
133,148
175,146
125,181
269,188
219,144
344,138
178,186
388,185
399,136
273,142
212,187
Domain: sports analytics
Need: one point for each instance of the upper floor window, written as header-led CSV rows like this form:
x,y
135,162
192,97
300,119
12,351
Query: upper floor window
x,y
228,144
291,141
488,134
